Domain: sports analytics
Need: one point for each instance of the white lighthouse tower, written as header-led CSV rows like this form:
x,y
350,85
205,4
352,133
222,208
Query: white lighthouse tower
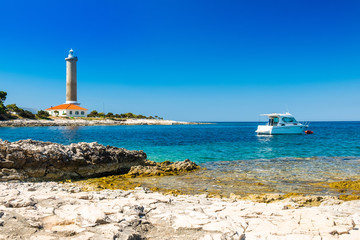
x,y
71,108
71,81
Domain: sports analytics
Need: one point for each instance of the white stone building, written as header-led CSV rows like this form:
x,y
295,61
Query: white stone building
x,y
67,110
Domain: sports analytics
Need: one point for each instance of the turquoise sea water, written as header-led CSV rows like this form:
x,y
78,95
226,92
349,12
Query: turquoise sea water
x,y
228,149
206,143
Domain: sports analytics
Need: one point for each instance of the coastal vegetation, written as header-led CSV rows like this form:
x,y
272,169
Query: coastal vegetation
x,y
350,189
43,114
2,106
129,115
12,108
12,111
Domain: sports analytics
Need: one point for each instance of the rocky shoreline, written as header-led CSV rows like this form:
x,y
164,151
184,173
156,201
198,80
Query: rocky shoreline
x,y
86,122
36,160
51,210
32,207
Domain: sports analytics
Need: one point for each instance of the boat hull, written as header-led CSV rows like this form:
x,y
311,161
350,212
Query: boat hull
x,y
280,130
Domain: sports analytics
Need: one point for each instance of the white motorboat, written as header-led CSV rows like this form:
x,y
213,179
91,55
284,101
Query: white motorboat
x,y
281,123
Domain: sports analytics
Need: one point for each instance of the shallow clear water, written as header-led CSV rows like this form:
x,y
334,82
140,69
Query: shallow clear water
x,y
206,143
230,151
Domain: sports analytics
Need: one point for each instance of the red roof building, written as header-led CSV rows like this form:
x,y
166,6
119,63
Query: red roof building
x,y
71,108
67,110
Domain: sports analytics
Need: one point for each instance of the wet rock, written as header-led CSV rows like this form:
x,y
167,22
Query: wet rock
x,y
151,168
135,237
11,174
26,159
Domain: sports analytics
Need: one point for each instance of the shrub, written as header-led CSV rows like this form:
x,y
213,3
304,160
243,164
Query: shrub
x,y
2,100
26,114
42,114
93,114
129,115
19,111
110,115
141,116
13,108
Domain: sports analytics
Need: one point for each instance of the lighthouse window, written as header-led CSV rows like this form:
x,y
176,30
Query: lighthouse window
x,y
82,113
76,113
70,112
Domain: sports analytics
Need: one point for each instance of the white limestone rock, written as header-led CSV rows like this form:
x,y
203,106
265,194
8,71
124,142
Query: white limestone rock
x,y
54,212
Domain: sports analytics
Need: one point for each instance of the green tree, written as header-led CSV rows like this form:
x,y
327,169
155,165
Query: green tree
x,y
2,100
19,111
27,114
3,96
102,115
42,114
110,115
129,115
141,116
13,108
93,114
56,113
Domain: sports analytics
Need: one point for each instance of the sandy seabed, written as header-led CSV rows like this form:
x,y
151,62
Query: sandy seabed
x,y
50,210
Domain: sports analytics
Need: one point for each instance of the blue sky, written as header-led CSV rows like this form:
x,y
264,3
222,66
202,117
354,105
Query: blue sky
x,y
186,60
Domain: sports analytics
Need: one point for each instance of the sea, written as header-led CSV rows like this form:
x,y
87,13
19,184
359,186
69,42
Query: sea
x,y
232,156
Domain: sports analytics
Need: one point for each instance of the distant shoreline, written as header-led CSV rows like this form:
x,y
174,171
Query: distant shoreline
x,y
85,122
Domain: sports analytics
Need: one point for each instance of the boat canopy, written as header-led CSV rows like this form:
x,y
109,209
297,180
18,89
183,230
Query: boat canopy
x,y
281,119
272,115
281,123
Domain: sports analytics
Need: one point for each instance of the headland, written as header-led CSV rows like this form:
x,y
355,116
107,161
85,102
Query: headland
x,y
88,122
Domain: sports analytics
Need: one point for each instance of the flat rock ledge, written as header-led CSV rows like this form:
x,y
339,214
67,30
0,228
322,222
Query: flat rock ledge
x,y
150,168
36,160
49,210
86,122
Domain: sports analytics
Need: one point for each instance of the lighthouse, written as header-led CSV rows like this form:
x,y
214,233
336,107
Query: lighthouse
x,y
71,108
71,81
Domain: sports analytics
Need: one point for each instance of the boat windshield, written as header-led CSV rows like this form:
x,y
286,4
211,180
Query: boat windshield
x,y
289,120
273,121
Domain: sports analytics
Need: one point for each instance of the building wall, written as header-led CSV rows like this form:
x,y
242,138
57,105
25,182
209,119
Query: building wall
x,y
69,113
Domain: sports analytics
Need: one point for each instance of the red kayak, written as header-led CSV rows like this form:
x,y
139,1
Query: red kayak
x,y
309,132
